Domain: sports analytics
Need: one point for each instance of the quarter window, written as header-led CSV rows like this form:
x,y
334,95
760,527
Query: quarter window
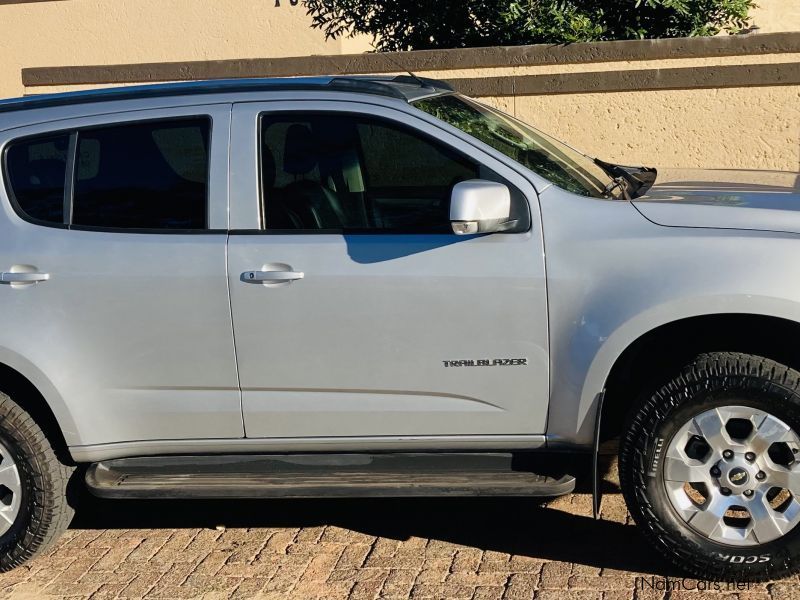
x,y
333,171
37,170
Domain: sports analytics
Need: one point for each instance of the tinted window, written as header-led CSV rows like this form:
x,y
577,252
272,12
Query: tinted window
x,y
151,175
335,171
36,170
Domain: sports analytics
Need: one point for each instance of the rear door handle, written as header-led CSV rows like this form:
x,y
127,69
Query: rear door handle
x,y
271,276
8,277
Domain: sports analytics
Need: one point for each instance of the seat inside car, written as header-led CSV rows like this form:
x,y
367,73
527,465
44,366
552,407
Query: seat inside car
x,y
306,202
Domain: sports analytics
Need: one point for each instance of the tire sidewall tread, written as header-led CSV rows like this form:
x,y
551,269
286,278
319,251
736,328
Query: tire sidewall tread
x,y
45,513
714,379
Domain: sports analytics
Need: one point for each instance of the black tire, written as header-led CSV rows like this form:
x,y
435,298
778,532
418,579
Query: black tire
x,y
712,380
44,513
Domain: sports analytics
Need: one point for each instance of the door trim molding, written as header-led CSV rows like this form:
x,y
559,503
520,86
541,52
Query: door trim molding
x,y
100,452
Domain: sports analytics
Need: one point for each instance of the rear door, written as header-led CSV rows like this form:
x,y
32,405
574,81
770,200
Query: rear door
x,y
397,328
123,218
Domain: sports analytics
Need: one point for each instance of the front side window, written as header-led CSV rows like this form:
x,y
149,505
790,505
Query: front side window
x,y
335,171
36,169
149,175
553,160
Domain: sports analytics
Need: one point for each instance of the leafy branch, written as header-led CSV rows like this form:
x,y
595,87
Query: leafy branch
x,y
423,24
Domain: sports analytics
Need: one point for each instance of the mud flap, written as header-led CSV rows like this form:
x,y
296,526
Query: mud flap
x,y
596,491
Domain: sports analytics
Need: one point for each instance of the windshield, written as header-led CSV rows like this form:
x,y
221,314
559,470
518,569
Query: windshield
x,y
553,160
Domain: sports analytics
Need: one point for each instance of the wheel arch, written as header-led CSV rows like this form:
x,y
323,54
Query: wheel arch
x,y
35,393
655,355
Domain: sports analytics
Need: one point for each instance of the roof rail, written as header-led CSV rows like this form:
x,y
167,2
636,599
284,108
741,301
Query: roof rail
x,y
381,86
364,86
435,84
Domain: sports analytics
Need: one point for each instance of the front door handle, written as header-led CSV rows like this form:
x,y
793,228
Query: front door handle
x,y
8,277
271,276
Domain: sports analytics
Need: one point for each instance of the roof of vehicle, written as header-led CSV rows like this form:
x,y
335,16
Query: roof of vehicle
x,y
403,87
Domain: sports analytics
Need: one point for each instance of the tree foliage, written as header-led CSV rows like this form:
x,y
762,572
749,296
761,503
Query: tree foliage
x,y
424,24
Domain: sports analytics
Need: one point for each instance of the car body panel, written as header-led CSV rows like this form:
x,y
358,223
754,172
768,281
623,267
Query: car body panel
x,y
358,347
615,270
614,276
762,200
133,330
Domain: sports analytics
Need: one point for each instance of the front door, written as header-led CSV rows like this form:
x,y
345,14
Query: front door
x,y
357,312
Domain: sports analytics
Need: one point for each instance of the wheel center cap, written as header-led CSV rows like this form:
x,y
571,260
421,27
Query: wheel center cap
x,y
738,476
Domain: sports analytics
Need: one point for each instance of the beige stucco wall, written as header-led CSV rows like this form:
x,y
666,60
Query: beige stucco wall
x,y
738,128
85,32
732,128
776,15
748,127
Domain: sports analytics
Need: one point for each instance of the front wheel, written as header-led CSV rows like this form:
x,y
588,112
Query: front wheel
x,y
710,468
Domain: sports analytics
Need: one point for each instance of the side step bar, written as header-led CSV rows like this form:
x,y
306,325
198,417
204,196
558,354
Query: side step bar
x,y
321,475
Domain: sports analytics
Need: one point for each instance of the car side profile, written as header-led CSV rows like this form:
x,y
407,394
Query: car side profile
x,y
374,286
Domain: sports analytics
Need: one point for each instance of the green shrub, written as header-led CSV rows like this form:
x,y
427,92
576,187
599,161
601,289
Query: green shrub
x,y
423,24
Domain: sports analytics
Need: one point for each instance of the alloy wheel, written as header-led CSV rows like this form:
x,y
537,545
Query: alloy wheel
x,y
10,490
732,473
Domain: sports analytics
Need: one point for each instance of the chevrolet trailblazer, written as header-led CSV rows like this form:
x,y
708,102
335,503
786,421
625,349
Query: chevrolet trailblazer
x,y
376,286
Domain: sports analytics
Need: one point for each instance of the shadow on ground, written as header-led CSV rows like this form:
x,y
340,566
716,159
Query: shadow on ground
x,y
519,526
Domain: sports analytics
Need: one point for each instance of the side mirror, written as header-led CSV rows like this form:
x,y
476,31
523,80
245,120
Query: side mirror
x,y
479,206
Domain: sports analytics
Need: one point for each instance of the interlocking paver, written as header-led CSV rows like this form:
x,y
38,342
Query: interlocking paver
x,y
470,549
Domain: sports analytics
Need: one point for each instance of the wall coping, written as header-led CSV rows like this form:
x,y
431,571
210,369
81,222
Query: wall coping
x,y
714,77
418,60
20,1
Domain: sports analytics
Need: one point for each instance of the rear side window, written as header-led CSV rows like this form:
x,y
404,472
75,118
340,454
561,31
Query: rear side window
x,y
143,176
149,175
37,174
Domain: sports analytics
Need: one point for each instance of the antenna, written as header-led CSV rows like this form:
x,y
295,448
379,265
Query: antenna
x,y
387,55
419,81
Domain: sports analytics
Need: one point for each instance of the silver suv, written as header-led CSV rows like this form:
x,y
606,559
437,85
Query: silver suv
x,y
376,286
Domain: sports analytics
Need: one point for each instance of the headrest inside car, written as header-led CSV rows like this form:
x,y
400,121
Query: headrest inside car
x,y
300,153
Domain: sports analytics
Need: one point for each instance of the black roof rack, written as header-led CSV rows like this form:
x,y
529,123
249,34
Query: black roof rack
x,y
434,84
403,87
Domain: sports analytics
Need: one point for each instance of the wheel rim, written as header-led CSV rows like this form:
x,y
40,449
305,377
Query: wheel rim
x,y
731,475
10,490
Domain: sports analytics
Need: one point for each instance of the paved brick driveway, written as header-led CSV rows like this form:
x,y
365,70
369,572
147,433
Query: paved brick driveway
x,y
456,548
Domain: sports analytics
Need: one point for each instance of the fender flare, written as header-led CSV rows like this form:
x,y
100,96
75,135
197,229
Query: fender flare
x,y
642,324
45,387
627,333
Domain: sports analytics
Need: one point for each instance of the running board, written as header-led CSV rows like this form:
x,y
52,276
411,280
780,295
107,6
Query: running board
x,y
321,475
